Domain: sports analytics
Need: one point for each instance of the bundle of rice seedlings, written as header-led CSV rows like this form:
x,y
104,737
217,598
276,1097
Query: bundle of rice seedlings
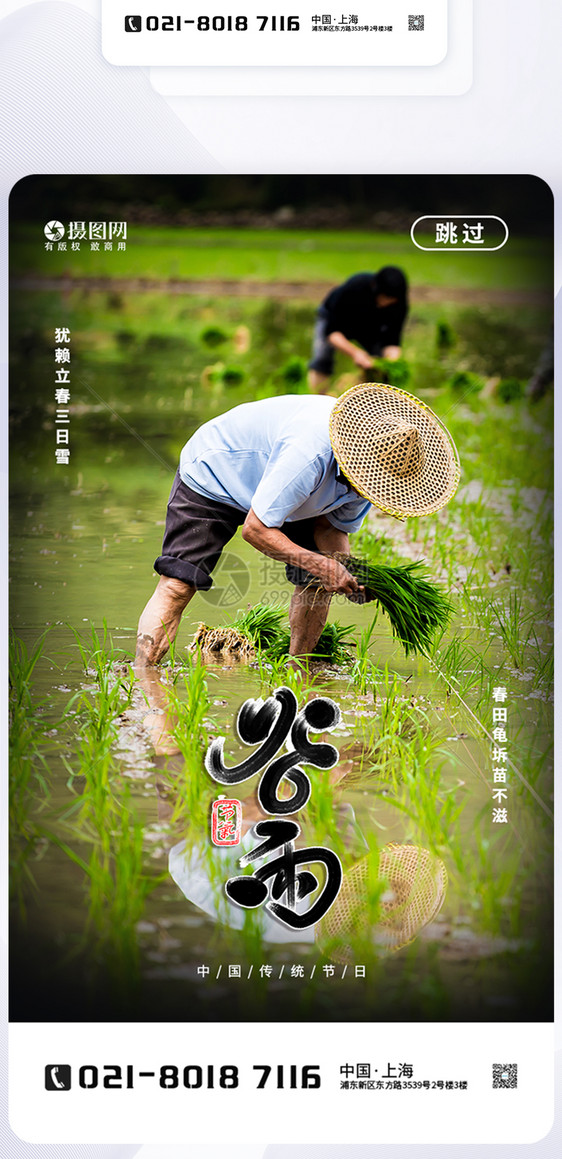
x,y
509,389
394,371
415,606
465,383
293,372
263,624
445,337
233,375
332,646
259,627
228,641
263,628
225,375
213,336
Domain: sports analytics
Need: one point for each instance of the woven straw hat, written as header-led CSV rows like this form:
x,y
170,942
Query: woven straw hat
x,y
417,884
394,450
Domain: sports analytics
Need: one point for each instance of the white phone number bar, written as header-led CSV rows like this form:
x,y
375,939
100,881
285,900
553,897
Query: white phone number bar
x,y
249,32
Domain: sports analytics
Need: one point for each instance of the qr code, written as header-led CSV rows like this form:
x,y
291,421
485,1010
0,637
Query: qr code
x,y
416,23
504,1075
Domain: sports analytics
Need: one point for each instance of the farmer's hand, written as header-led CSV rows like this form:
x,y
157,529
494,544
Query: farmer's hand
x,y
391,353
362,359
336,578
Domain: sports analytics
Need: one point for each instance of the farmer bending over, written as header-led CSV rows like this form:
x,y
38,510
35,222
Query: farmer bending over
x,y
369,309
268,467
297,474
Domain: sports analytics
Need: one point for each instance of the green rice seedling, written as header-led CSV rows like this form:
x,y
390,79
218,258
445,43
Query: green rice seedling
x,y
374,548
464,383
298,679
97,716
99,712
191,788
103,818
364,671
163,342
29,774
117,888
95,713
272,670
213,336
223,374
99,658
403,733
232,375
543,666
445,337
493,877
398,717
294,372
396,372
415,606
321,821
263,624
510,622
28,767
125,338
454,661
495,344
334,643
258,628
117,892
278,651
509,389
421,794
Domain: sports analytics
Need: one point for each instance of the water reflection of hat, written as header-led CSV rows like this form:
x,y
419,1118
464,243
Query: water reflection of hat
x,y
394,450
416,888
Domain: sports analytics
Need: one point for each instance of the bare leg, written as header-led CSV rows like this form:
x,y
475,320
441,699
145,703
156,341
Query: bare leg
x,y
307,616
161,719
318,382
160,620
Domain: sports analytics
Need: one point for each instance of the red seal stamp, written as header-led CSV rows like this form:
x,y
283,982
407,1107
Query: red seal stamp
x,y
226,821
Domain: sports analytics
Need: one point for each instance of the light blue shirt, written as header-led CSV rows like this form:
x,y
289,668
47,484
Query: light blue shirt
x,y
274,456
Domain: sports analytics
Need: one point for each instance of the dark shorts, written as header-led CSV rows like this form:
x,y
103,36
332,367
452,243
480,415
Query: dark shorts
x,y
198,528
323,353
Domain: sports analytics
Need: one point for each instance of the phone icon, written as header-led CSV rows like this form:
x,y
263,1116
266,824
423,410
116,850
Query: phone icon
x,y
57,1078
133,23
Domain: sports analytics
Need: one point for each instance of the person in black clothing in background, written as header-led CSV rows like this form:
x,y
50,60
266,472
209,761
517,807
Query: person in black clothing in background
x,y
369,309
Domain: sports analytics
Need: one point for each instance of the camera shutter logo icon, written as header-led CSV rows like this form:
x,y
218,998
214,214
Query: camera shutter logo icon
x,y
54,230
